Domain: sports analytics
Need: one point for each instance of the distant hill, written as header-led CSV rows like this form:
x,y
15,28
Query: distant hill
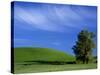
x,y
44,54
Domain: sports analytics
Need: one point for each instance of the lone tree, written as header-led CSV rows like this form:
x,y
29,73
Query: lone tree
x,y
84,46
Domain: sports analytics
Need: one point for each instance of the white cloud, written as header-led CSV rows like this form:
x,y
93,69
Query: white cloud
x,y
52,18
18,40
35,19
56,43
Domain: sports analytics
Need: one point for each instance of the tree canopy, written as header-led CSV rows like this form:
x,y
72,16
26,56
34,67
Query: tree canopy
x,y
84,45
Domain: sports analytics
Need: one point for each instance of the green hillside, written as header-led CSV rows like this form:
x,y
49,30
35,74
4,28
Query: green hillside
x,y
29,60
44,54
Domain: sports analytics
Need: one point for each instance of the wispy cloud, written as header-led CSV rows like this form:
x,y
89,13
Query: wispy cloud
x,y
22,41
26,42
35,19
56,43
52,17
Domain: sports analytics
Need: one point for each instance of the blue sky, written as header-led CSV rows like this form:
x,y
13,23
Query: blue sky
x,y
51,25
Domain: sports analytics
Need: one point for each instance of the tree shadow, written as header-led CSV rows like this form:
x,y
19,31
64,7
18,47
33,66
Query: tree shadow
x,y
48,62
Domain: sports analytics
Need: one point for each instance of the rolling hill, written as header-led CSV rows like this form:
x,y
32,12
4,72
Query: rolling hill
x,y
29,60
44,54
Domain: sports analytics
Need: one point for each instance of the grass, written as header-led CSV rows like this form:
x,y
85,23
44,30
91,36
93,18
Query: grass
x,y
44,54
29,60
49,68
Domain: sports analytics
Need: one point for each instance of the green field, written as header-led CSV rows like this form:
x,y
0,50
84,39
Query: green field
x,y
45,60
